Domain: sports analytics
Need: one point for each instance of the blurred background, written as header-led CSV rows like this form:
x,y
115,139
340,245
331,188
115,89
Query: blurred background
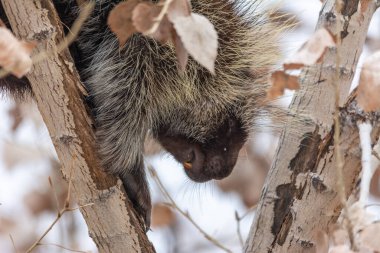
x,y
225,209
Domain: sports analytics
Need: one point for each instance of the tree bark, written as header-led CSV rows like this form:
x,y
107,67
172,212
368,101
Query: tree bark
x,y
300,195
111,220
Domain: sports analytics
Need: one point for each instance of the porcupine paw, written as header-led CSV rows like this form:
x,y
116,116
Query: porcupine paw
x,y
137,189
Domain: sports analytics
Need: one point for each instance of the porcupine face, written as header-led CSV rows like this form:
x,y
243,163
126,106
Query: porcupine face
x,y
212,159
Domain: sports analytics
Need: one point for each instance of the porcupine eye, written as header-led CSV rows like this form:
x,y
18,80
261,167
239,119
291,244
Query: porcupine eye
x,y
212,159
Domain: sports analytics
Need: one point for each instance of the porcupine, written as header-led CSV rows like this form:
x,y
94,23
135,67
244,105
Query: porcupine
x,y
202,119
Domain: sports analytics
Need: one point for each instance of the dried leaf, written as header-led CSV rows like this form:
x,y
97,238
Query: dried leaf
x,y
369,84
15,54
364,5
145,16
200,39
375,183
321,242
162,216
120,20
179,8
164,31
180,50
280,81
312,51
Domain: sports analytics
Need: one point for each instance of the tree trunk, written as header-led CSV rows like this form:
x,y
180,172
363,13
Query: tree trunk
x,y
111,220
300,195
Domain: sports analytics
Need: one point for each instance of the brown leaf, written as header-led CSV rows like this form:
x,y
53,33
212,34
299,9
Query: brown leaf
x,y
280,81
164,31
15,54
312,51
145,17
369,84
375,183
180,50
321,242
162,216
364,5
179,8
120,20
200,39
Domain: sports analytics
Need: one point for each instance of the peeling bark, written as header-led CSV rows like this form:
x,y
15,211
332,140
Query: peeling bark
x,y
111,220
300,195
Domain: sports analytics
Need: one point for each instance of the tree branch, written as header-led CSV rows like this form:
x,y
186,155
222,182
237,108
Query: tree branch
x,y
301,191
111,221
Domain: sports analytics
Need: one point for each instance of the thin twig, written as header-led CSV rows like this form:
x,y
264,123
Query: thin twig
x,y
55,193
13,243
67,201
36,243
238,229
62,247
65,209
375,154
59,215
239,219
185,214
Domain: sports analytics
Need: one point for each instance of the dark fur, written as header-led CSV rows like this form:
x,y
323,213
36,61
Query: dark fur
x,y
200,118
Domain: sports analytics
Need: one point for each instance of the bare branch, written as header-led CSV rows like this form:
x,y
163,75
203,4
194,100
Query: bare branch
x,y
302,182
59,95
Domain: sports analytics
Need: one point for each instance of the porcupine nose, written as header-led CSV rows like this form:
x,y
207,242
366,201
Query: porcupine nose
x,y
217,168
